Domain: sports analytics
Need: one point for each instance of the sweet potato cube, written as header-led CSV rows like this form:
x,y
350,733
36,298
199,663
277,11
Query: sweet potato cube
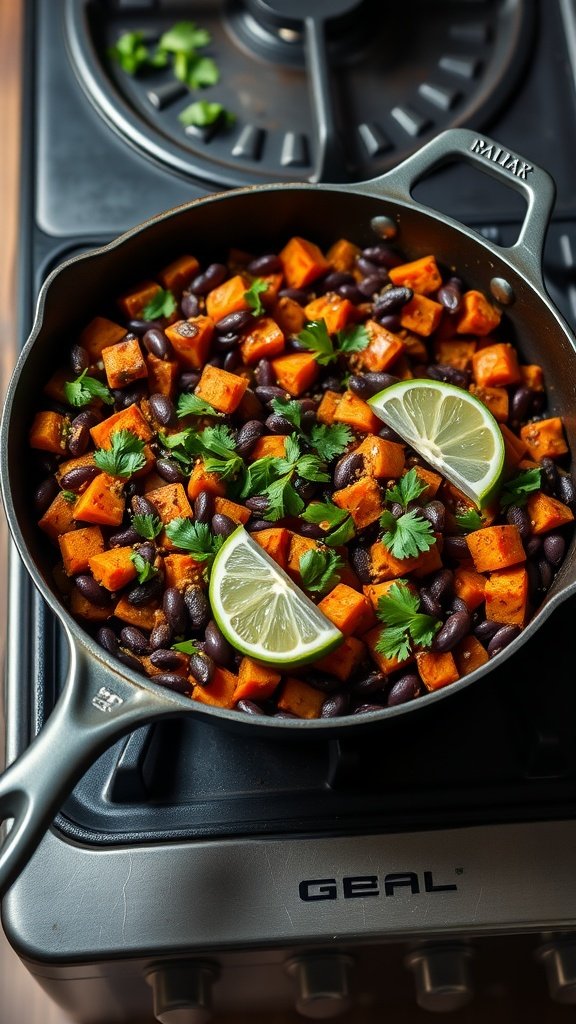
x,y
495,399
237,513
179,273
78,546
515,448
273,445
102,502
470,655
347,609
362,499
432,481
202,480
455,353
55,386
421,275
496,366
255,682
98,335
47,433
127,419
83,609
547,513
143,616
191,340
114,568
182,571
382,459
333,309
327,407
385,665
436,670
220,692
532,376
544,438
507,596
421,315
264,341
382,350
357,414
298,547
221,389
300,699
386,567
302,262
58,517
296,372
276,541
124,363
162,375
343,661
495,547
170,502
342,255
477,316
133,302
289,315
469,586
229,297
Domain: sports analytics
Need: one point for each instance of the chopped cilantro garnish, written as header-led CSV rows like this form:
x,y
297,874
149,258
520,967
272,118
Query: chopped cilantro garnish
x,y
161,304
470,519
146,571
69,496
316,338
319,570
407,488
192,405
330,440
404,624
124,457
407,536
337,522
202,114
186,647
516,490
130,52
290,408
82,390
196,538
148,526
253,293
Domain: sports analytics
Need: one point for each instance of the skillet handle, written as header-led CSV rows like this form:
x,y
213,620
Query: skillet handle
x,y
494,159
95,708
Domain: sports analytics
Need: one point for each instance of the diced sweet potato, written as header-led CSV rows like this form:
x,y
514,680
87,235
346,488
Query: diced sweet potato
x,y
182,571
229,297
113,568
300,699
327,407
170,502
496,366
124,363
342,255
178,274
289,315
469,655
495,547
55,387
382,350
98,335
507,596
221,389
495,399
382,459
298,547
143,616
302,262
362,499
162,375
357,414
477,315
102,502
81,608
78,546
237,513
276,541
515,448
264,341
296,372
269,445
333,309
48,432
347,609
191,340
58,517
202,480
127,419
385,665
436,670
547,513
421,315
544,438
469,586
344,660
386,567
421,275
255,682
133,302
220,692
432,481
455,353
532,376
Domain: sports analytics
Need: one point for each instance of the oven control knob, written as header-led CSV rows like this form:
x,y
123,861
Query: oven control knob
x,y
559,960
322,984
182,991
442,976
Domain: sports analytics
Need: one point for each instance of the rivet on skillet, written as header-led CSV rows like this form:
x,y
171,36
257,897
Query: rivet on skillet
x,y
384,227
502,291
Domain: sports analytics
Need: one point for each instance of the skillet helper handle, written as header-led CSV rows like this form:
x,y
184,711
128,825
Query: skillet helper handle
x,y
494,159
95,708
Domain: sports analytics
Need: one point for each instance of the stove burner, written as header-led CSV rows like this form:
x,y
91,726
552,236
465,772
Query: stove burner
x,y
327,91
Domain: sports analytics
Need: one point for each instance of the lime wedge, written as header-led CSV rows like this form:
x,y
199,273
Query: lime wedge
x,y
451,429
261,611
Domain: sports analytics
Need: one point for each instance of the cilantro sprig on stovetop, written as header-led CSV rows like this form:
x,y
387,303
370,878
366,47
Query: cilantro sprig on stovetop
x,y
404,624
316,338
124,457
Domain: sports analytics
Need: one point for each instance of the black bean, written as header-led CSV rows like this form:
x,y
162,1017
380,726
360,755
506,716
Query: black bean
x,y
456,547
164,658
202,668
169,470
203,283
391,300
197,606
256,525
382,255
278,424
163,409
124,538
124,397
258,503
365,709
450,295
404,689
264,374
267,392
486,630
532,546
45,493
160,636
347,469
534,582
554,547
172,681
352,293
222,525
365,385
430,604
248,434
360,559
504,636
456,627
566,491
147,551
232,360
88,417
296,294
78,439
435,513
441,583
79,359
269,263
142,507
107,639
391,321
335,705
76,477
520,403
332,282
313,530
138,327
369,684
368,286
204,507
174,609
306,488
217,646
546,574
249,707
458,605
187,381
388,434
449,374
234,323
156,343
92,590
226,343
134,639
141,593
550,475
129,661
189,305
517,516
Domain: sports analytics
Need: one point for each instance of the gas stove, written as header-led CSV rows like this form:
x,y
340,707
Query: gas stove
x,y
192,865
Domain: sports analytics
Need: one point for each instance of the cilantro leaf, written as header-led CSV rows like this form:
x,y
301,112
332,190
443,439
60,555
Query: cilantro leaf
x,y
404,623
406,489
202,114
130,52
146,571
253,293
186,647
259,475
310,467
196,538
69,496
330,441
470,519
290,408
148,526
82,390
407,536
192,405
337,522
196,72
352,339
283,499
161,304
342,534
184,37
316,339
517,489
124,457
319,570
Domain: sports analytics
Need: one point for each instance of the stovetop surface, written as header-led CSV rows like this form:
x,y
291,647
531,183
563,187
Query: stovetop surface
x,y
503,750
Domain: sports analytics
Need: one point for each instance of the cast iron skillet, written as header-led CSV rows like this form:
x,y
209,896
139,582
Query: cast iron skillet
x,y
102,699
